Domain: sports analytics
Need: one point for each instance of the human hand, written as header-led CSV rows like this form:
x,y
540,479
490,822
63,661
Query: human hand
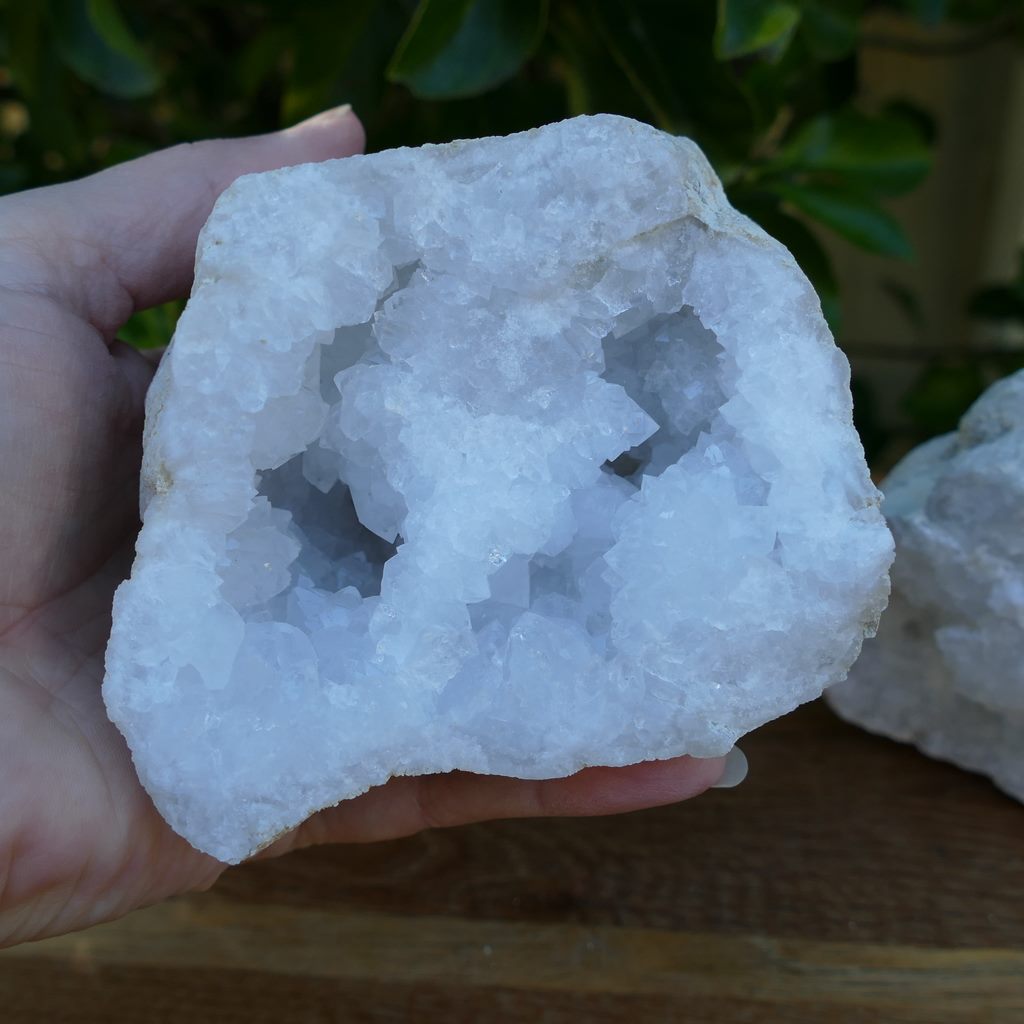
x,y
80,841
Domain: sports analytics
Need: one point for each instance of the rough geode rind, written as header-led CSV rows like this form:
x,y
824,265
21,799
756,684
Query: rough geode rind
x,y
514,455
946,671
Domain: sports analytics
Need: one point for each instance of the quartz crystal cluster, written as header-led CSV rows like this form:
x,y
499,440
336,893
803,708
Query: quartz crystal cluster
x,y
514,455
946,671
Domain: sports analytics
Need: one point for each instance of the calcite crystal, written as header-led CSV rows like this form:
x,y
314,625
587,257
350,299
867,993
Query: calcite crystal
x,y
514,455
946,671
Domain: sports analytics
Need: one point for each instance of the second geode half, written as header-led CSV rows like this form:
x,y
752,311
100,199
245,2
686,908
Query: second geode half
x,y
514,455
946,671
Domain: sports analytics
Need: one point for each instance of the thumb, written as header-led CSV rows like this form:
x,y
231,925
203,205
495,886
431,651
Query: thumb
x,y
124,239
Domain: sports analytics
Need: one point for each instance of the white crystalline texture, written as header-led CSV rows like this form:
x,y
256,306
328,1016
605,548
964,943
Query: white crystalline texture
x,y
514,455
946,671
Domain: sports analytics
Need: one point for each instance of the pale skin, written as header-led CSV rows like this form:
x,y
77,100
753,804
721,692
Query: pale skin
x,y
80,841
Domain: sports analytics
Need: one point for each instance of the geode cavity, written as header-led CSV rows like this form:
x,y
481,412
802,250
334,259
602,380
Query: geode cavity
x,y
514,455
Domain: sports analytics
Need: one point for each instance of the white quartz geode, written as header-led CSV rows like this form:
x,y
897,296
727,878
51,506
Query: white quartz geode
x,y
946,671
514,455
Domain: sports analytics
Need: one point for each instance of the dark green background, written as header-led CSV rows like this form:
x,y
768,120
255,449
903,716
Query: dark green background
x,y
769,88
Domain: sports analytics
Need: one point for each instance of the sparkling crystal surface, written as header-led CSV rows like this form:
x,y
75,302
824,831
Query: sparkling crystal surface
x,y
514,455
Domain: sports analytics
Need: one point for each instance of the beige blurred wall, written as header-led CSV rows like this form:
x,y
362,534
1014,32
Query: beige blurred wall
x,y
966,222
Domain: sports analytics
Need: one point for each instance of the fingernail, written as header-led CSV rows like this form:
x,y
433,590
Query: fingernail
x,y
735,770
325,116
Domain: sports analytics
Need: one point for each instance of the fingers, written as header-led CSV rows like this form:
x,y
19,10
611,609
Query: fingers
x,y
407,805
136,369
124,239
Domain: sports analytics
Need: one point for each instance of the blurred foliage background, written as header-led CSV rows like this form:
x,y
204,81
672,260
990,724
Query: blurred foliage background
x,y
773,90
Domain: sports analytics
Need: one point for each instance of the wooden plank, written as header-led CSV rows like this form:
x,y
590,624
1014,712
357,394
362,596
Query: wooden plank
x,y
214,934
848,880
836,835
42,994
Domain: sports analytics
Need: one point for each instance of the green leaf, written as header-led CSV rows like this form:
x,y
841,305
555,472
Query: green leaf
x,y
746,26
96,43
884,155
323,39
855,217
942,394
25,24
41,81
573,69
931,12
150,328
916,117
457,48
433,26
907,301
112,29
830,28
259,59
628,43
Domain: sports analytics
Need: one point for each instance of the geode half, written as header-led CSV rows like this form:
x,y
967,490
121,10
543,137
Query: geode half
x,y
514,455
946,671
